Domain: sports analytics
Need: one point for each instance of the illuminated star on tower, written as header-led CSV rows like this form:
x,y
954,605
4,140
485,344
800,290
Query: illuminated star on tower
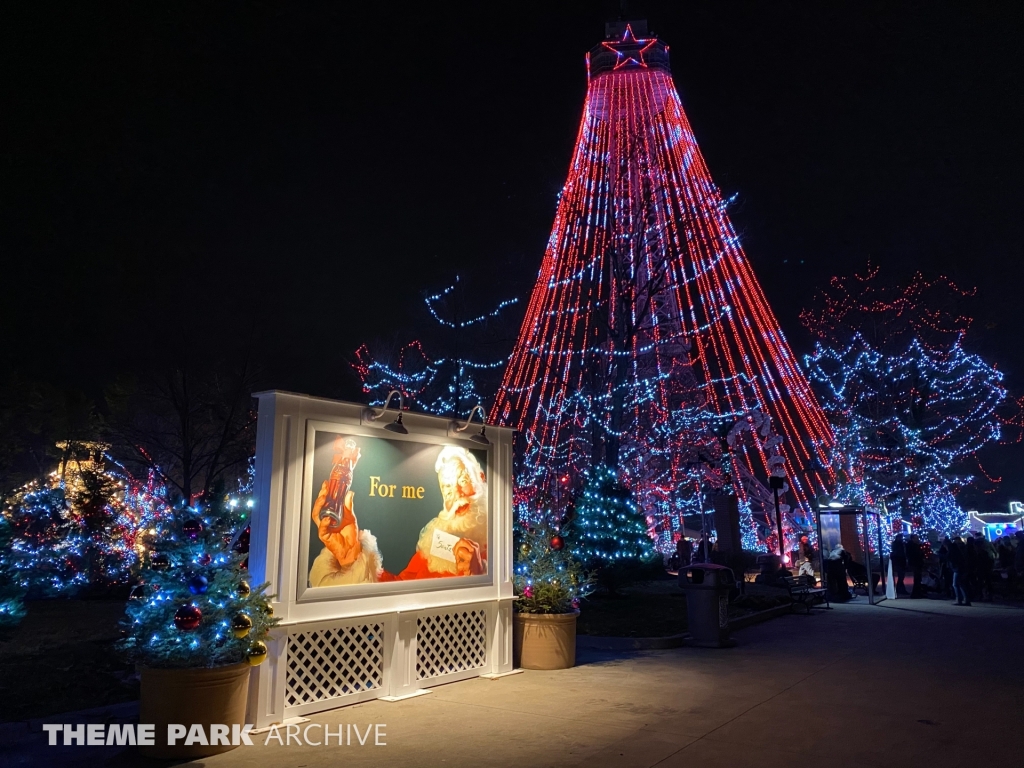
x,y
629,51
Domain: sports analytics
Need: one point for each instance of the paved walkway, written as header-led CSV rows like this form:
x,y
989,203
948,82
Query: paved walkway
x,y
907,683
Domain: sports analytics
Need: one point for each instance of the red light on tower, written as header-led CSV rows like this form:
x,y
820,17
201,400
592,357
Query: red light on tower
x,y
647,314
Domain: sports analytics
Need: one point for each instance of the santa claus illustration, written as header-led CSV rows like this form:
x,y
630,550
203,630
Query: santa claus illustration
x,y
351,556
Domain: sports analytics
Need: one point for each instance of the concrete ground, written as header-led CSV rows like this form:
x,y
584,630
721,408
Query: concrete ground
x,y
907,683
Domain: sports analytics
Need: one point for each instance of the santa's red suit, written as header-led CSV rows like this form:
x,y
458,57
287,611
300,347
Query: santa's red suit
x,y
368,567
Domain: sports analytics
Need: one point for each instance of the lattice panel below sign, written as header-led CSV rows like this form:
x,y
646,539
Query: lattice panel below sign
x,y
450,642
334,662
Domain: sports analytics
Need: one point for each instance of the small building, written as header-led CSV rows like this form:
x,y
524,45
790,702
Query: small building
x,y
994,525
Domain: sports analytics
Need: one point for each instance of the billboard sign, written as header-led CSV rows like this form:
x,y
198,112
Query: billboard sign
x,y
392,512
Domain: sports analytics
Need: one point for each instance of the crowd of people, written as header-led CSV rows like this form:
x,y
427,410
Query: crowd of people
x,y
962,568
908,554
967,565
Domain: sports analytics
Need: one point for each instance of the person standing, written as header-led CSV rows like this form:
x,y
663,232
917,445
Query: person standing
x,y
1018,558
684,551
915,559
974,585
899,562
985,567
806,548
1004,553
958,562
702,552
945,571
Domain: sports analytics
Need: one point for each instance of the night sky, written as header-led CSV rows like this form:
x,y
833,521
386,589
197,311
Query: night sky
x,y
301,175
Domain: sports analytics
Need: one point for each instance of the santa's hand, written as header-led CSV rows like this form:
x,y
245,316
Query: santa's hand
x,y
343,542
468,561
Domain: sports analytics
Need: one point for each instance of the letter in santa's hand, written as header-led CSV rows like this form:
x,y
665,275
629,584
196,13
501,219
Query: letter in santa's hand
x,y
443,545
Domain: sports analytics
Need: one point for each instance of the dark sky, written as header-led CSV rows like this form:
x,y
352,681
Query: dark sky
x,y
191,172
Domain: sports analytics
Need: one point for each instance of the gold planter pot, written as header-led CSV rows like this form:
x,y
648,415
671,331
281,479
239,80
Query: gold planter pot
x,y
186,696
544,640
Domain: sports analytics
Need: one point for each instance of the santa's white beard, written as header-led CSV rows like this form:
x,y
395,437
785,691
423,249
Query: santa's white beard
x,y
470,519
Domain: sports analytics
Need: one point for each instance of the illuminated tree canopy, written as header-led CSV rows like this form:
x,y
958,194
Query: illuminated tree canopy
x,y
909,405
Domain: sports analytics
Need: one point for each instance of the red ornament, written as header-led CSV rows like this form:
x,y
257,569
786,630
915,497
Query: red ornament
x,y
557,542
528,591
188,617
205,559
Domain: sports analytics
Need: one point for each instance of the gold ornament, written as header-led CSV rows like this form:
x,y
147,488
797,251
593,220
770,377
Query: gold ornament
x,y
256,654
268,609
240,625
243,589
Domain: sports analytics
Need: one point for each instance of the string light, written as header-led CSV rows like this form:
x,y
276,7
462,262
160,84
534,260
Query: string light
x,y
546,576
434,385
90,526
607,522
437,297
646,332
910,406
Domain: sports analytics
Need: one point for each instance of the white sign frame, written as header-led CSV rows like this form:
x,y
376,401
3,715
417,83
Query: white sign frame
x,y
286,427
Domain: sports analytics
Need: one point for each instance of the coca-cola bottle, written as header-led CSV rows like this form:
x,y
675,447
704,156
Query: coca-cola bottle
x,y
346,454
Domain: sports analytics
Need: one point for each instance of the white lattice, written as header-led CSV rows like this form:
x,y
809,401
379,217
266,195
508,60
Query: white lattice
x,y
450,642
334,662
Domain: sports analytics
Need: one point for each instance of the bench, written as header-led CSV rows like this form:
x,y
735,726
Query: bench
x,y
799,594
806,596
860,581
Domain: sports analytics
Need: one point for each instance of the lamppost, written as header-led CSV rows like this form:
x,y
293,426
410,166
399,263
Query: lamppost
x,y
776,483
702,496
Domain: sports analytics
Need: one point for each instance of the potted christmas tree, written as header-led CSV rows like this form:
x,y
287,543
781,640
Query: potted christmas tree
x,y
196,627
549,583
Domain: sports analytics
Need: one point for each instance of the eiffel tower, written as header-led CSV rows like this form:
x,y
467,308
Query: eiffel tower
x,y
646,323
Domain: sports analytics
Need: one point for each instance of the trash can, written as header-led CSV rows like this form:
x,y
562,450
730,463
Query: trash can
x,y
707,588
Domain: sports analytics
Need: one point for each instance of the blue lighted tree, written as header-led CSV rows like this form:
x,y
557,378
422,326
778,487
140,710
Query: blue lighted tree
x,y
12,587
194,605
910,407
609,532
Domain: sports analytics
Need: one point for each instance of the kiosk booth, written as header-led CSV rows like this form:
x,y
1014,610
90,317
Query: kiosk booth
x,y
840,524
386,537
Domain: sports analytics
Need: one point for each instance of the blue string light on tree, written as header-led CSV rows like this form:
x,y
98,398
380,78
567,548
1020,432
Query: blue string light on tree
x,y
186,614
90,527
608,523
910,407
439,385
547,578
